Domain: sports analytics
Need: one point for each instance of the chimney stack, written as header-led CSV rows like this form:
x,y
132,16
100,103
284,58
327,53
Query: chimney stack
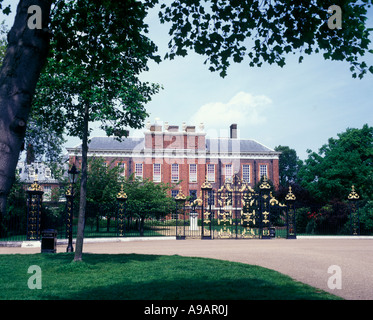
x,y
233,128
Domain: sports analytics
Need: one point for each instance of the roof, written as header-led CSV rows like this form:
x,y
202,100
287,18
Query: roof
x,y
110,143
213,145
222,145
36,170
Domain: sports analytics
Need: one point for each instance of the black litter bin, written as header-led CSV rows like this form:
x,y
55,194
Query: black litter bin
x,y
48,241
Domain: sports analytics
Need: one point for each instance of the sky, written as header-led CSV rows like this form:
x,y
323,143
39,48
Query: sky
x,y
299,105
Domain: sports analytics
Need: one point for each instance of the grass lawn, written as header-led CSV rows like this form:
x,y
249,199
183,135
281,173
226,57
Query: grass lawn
x,y
149,277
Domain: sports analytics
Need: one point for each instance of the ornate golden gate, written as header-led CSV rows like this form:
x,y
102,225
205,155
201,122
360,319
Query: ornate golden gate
x,y
237,211
242,212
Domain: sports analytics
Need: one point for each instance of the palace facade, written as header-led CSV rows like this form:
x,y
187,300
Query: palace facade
x,y
169,154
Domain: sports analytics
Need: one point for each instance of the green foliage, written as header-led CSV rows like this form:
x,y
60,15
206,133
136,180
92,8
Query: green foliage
x,y
17,198
3,40
266,31
15,220
366,218
301,220
289,164
98,49
148,199
345,161
333,218
145,198
5,10
45,139
103,182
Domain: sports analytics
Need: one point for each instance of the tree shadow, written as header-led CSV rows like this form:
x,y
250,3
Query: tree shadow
x,y
187,289
182,281
93,258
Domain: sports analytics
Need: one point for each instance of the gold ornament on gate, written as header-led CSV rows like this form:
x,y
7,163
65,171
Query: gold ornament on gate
x,y
121,194
290,196
353,194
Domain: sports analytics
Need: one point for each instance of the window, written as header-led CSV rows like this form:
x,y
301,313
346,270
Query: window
x,y
138,170
211,172
174,172
228,171
31,173
47,193
263,170
157,172
192,173
122,168
246,173
174,193
48,173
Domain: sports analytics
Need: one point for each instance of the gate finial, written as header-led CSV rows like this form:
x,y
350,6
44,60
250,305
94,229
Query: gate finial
x,y
290,196
206,185
121,194
35,186
180,196
265,184
353,194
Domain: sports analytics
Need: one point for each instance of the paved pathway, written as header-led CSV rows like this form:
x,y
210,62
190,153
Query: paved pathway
x,y
303,259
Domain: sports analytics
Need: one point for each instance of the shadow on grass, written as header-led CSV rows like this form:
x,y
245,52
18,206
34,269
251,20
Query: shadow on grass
x,y
153,277
181,289
93,259
146,277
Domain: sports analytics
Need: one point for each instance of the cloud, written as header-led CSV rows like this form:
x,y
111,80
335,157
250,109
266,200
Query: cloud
x,y
244,109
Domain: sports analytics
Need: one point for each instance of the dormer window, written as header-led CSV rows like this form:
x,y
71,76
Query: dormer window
x,y
31,173
48,173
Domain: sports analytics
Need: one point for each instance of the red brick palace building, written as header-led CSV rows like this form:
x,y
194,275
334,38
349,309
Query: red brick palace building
x,y
169,154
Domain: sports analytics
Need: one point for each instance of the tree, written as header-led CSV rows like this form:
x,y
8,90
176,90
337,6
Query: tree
x,y
104,180
103,185
265,31
221,30
43,137
16,208
24,59
147,199
3,41
289,164
43,140
342,162
92,75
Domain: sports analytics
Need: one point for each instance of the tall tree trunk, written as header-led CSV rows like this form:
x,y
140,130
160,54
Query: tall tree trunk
x,y
83,190
24,59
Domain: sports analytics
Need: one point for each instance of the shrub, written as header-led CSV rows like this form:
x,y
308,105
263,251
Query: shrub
x,y
366,218
332,218
301,219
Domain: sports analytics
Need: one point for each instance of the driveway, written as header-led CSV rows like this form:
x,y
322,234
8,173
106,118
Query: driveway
x,y
305,260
